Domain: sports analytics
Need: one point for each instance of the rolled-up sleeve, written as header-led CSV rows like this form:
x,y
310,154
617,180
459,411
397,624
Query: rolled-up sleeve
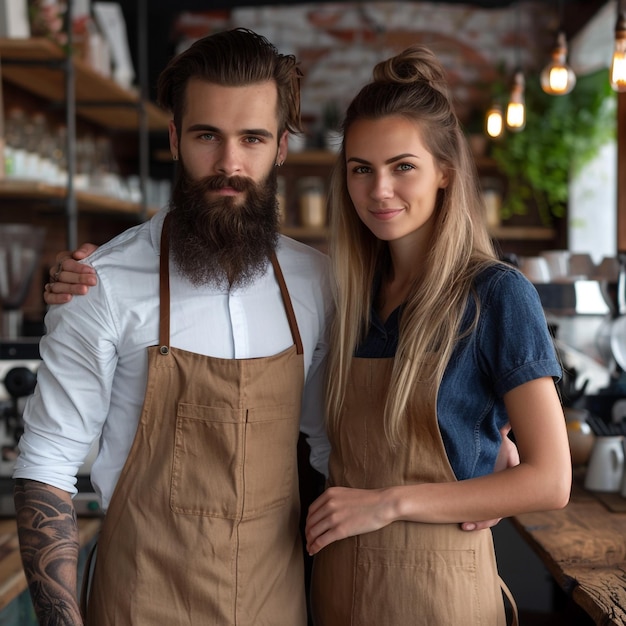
x,y
65,414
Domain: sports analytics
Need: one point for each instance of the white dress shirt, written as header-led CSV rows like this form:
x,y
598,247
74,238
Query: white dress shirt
x,y
92,379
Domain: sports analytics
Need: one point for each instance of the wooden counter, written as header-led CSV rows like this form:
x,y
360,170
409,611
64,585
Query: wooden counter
x,y
12,578
584,548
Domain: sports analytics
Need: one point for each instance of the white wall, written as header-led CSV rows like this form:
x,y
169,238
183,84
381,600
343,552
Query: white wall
x,y
592,207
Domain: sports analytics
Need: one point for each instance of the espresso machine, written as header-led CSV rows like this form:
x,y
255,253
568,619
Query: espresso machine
x,y
19,364
20,253
588,318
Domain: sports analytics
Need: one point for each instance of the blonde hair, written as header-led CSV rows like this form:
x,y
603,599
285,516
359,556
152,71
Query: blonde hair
x,y
413,85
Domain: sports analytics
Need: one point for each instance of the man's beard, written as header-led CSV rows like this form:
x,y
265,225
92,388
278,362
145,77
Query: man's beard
x,y
222,242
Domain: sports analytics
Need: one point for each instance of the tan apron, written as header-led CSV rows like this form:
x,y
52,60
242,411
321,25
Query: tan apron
x,y
202,528
406,574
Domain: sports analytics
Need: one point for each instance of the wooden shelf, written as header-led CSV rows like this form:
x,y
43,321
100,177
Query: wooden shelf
x,y
523,233
87,202
98,99
311,157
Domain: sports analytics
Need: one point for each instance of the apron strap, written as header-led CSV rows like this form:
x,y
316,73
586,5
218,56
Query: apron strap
x,y
164,289
291,316
164,295
509,596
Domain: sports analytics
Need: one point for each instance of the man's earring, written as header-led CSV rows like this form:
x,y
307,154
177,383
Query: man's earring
x,y
279,164
174,157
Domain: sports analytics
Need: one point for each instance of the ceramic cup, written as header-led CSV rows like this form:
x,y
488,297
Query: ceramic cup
x,y
558,263
605,470
579,434
608,269
581,264
535,268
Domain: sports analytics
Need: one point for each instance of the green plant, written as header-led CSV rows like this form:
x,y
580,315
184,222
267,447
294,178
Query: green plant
x,y
562,134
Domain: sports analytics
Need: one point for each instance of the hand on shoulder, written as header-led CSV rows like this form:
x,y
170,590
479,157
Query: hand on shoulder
x,y
68,277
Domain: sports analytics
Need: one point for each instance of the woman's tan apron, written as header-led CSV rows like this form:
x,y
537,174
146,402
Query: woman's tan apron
x,y
406,573
202,528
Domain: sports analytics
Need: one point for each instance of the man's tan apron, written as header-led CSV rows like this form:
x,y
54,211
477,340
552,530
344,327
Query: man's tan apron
x,y
406,574
202,527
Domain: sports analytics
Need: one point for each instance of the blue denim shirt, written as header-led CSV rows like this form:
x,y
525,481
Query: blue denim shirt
x,y
510,345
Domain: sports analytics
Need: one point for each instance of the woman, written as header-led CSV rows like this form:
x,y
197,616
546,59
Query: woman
x,y
437,345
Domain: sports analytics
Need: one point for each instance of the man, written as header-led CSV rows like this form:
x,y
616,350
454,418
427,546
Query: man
x,y
196,358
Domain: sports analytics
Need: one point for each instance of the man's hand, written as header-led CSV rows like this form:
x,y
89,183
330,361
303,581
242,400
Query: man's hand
x,y
68,277
508,456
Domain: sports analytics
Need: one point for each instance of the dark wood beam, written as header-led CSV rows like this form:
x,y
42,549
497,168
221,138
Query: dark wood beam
x,y
578,13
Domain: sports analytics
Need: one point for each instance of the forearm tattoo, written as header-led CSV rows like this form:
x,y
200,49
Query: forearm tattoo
x,y
48,536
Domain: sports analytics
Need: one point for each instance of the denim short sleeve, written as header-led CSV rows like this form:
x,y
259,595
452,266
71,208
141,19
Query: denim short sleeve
x,y
509,346
514,344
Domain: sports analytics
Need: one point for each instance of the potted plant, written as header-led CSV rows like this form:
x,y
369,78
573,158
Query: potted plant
x,y
562,134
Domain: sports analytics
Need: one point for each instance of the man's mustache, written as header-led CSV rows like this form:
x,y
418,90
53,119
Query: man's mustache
x,y
219,181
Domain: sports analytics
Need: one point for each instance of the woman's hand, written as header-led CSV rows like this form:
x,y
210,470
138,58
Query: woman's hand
x,y
508,456
342,512
68,277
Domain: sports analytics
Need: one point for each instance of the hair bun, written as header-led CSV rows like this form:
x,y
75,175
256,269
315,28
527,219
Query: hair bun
x,y
415,64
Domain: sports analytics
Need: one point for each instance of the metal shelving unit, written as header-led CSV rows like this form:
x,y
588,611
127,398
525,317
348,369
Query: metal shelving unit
x,y
42,68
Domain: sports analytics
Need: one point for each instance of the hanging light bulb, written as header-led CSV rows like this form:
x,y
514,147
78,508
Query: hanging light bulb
x,y
558,78
516,109
494,121
618,64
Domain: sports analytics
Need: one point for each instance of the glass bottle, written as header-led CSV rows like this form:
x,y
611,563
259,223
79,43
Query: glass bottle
x,y
15,151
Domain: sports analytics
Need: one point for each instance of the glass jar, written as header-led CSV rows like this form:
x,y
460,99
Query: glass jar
x,y
312,201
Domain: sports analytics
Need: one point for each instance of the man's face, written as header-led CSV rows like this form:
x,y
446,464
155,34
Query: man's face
x,y
229,131
224,210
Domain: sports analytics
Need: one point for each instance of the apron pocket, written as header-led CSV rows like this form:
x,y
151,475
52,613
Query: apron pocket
x,y
418,587
271,458
232,463
207,465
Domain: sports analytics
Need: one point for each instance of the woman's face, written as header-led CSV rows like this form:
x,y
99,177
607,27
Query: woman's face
x,y
392,178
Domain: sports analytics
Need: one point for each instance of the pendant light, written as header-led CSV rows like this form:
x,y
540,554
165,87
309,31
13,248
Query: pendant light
x,y
618,64
516,109
494,121
558,78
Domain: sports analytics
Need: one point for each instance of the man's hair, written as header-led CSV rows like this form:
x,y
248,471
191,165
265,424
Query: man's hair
x,y
233,58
